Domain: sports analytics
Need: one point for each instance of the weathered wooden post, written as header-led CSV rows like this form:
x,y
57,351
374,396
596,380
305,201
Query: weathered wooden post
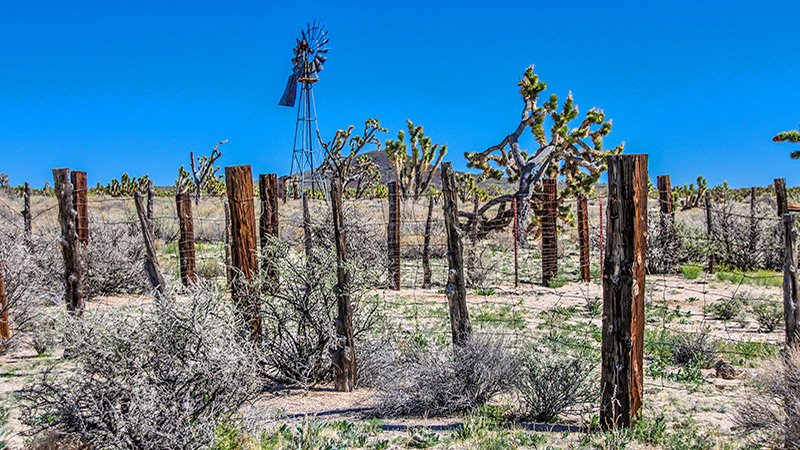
x,y
455,290
665,202
791,289
27,217
81,204
69,243
623,291
583,236
268,223
343,354
549,230
5,330
426,247
516,245
186,250
151,265
239,183
393,236
712,260
780,196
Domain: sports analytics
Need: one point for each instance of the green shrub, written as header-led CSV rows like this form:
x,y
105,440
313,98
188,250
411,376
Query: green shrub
x,y
768,315
725,308
691,271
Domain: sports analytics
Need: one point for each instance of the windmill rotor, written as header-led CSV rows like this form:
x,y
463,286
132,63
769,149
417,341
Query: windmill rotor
x,y
310,54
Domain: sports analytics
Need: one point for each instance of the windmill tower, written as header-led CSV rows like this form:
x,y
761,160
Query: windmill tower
x,y
309,56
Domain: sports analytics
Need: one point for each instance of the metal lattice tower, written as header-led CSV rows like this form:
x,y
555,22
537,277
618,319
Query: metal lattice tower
x,y
309,56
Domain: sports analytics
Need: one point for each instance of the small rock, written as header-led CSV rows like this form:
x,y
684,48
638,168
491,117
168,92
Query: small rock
x,y
725,370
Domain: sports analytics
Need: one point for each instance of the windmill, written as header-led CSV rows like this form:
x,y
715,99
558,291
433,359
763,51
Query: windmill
x,y
309,56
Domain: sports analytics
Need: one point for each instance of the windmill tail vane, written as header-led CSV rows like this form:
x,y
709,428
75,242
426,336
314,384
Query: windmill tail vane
x,y
309,56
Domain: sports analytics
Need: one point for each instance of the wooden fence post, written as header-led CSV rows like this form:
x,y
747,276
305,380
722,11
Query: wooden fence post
x,y
151,257
343,354
623,291
780,196
791,289
239,183
426,247
5,330
80,202
268,224
186,251
602,236
665,202
583,236
69,243
516,245
27,217
456,290
549,230
393,236
712,260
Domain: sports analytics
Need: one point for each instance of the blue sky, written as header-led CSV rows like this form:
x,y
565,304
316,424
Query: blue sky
x,y
113,87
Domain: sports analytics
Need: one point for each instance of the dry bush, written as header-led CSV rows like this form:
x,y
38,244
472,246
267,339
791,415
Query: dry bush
x,y
436,381
769,414
298,315
53,440
479,264
114,260
160,376
741,243
670,245
554,382
694,348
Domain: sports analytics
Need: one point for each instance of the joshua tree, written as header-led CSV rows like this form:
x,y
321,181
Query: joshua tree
x,y
204,178
414,172
792,136
566,152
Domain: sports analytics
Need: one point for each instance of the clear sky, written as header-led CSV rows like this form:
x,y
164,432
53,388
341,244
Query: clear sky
x,y
123,86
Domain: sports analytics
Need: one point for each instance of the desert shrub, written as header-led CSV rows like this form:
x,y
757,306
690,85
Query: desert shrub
x,y
694,348
742,243
434,381
114,260
299,328
768,414
725,308
554,382
160,376
768,314
479,264
670,245
691,271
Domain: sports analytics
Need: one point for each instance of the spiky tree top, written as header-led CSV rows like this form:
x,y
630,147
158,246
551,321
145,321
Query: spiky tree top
x,y
792,136
414,173
578,149
340,165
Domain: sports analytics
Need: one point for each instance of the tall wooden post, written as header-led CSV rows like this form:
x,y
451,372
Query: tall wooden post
x,y
5,330
623,291
712,260
393,236
516,245
549,231
781,197
80,201
665,203
602,235
27,217
343,354
186,250
151,258
426,247
791,289
69,243
583,236
239,183
456,290
268,223
151,198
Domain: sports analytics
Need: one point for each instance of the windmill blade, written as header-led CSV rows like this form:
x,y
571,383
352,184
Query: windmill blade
x,y
290,93
321,59
323,50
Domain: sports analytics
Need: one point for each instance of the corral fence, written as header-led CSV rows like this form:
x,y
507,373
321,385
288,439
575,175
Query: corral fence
x,y
428,253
